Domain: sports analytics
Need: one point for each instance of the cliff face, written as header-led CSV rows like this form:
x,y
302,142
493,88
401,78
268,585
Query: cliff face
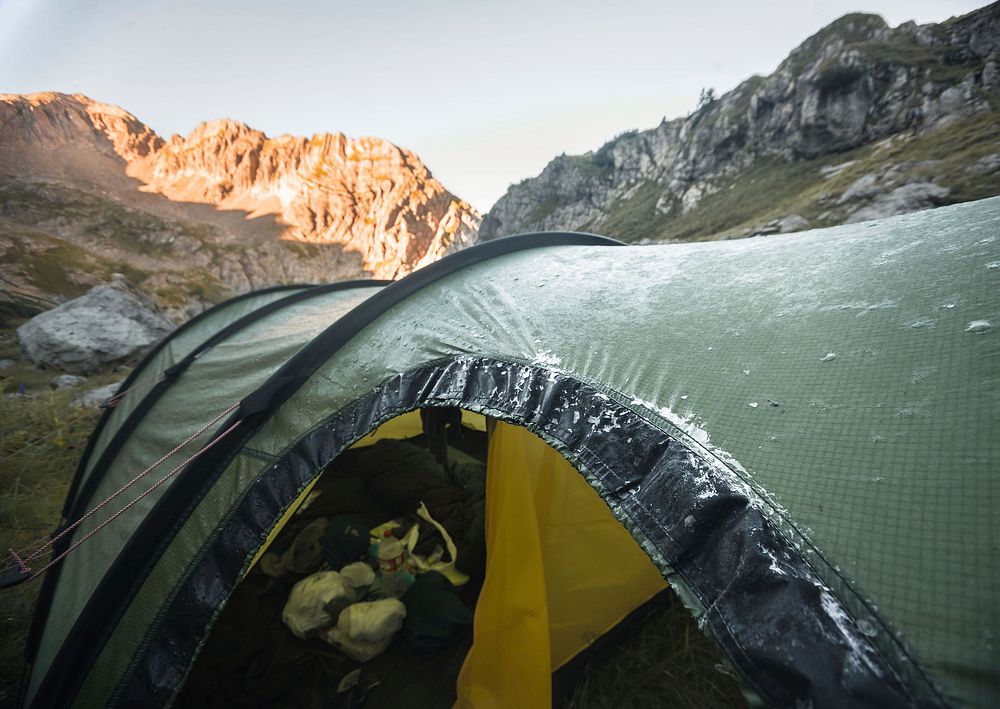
x,y
905,117
367,194
225,208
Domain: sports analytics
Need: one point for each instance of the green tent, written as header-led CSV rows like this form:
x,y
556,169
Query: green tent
x,y
801,431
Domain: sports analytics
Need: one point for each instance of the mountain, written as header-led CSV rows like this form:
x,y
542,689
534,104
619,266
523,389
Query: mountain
x,y
860,121
87,189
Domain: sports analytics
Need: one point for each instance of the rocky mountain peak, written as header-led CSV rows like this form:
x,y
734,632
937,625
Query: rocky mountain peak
x,y
851,28
223,208
56,119
887,103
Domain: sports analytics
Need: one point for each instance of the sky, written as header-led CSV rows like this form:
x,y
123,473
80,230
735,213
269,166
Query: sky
x,y
486,93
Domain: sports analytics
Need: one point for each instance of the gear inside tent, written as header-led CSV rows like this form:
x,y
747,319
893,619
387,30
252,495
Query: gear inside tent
x,y
796,435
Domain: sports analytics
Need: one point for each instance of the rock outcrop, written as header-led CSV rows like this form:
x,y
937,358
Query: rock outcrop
x,y
111,323
86,188
67,381
95,397
365,194
856,97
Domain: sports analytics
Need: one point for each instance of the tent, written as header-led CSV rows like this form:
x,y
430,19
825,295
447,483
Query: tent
x,y
799,431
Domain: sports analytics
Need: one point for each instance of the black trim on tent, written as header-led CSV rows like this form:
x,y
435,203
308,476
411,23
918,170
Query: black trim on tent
x,y
85,640
79,505
785,631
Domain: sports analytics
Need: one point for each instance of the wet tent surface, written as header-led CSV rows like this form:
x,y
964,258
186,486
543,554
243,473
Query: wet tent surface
x,y
227,372
847,379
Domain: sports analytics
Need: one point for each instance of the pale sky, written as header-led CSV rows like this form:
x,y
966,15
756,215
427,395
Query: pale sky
x,y
486,93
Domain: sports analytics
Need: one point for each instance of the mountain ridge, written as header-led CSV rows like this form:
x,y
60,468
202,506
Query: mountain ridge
x,y
854,101
245,210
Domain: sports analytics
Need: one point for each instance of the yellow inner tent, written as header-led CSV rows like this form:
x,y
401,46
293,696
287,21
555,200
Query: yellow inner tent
x,y
560,569
560,572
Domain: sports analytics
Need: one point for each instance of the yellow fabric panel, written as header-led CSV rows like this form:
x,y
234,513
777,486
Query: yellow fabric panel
x,y
405,426
561,571
508,664
473,420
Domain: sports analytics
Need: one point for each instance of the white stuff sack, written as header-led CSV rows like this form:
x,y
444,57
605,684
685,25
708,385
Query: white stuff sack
x,y
364,630
315,601
358,575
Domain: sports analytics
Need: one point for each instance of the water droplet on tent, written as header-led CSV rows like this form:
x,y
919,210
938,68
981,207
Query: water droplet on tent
x,y
948,306
979,327
752,404
867,628
689,522
829,357
746,372
921,373
995,266
685,396
711,348
922,324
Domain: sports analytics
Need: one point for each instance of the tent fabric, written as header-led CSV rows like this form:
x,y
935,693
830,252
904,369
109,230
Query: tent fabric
x,y
164,355
561,571
230,370
140,382
174,355
800,430
734,574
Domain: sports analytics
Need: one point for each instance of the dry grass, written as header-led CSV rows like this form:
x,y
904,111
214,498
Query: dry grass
x,y
665,661
41,439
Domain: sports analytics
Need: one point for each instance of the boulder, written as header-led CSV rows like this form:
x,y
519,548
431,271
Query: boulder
x,y
862,188
908,198
793,222
986,164
95,397
67,381
110,323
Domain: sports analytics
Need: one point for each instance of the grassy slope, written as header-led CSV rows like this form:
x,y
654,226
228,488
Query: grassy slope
x,y
41,440
775,188
60,241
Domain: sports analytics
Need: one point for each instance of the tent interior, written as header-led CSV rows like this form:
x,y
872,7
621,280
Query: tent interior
x,y
537,595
